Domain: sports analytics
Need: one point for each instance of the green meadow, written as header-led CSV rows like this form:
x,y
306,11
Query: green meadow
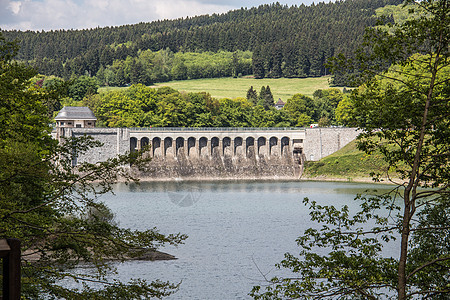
x,y
229,87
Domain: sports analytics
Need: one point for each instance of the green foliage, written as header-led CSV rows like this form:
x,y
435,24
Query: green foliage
x,y
304,110
353,268
324,122
252,96
300,108
431,243
164,65
344,111
235,113
326,102
52,206
399,13
265,98
179,69
402,109
82,86
141,106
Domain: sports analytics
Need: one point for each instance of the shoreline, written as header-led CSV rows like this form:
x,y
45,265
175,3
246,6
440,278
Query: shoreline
x,y
147,255
349,179
268,178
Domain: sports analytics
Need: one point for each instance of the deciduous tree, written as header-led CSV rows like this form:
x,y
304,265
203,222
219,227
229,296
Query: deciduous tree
x,y
52,206
403,113
301,109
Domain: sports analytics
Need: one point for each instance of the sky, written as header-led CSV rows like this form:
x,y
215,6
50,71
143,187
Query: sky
x,y
81,14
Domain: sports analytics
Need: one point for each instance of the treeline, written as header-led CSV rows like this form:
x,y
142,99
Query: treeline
x,y
285,41
164,65
141,106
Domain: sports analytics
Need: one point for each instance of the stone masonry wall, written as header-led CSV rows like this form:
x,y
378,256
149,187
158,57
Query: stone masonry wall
x,y
318,143
115,141
321,142
223,167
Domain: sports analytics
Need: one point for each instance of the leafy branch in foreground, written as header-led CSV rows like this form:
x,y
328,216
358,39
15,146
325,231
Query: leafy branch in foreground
x,y
53,207
403,111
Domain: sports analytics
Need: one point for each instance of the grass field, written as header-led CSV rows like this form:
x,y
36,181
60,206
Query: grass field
x,y
282,88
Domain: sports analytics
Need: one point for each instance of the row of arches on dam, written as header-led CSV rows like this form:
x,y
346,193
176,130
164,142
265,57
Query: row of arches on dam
x,y
192,147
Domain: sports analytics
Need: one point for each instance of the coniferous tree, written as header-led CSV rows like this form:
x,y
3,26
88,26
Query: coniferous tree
x,y
252,96
268,101
262,95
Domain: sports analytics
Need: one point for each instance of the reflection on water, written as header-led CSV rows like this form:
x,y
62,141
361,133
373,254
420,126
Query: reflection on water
x,y
236,229
253,186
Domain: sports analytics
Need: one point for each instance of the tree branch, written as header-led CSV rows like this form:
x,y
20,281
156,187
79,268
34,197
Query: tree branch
x,y
427,265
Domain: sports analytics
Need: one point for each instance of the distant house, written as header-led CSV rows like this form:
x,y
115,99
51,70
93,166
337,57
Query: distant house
x,y
73,116
280,104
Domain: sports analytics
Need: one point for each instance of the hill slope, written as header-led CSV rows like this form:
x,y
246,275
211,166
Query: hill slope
x,y
283,88
285,41
348,163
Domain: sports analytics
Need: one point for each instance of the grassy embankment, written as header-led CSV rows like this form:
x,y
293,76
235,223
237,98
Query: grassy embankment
x,y
283,88
348,164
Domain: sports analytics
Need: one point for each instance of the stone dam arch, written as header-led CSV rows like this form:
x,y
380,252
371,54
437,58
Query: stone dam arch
x,y
216,153
192,145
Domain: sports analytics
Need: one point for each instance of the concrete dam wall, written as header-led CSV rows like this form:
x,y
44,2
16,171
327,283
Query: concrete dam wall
x,y
218,153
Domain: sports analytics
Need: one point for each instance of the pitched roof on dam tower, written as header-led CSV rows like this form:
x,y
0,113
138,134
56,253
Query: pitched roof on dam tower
x,y
74,112
73,116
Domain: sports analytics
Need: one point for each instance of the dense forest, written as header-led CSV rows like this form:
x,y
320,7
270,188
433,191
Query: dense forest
x,y
282,41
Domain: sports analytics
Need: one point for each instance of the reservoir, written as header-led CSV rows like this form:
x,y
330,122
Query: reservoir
x,y
237,231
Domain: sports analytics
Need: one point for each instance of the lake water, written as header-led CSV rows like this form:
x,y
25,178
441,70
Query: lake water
x,y
237,231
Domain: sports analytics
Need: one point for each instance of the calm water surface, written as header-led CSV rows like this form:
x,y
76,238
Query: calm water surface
x,y
237,230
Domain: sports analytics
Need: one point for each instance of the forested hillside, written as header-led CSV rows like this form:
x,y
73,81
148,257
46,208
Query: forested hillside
x,y
285,42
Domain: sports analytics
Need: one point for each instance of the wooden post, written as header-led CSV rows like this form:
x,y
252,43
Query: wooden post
x,y
10,252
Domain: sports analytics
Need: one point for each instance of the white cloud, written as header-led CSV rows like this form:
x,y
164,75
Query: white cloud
x,y
15,6
78,14
176,9
67,14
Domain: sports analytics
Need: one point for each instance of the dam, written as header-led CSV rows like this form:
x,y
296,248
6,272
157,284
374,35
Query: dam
x,y
197,153
206,142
